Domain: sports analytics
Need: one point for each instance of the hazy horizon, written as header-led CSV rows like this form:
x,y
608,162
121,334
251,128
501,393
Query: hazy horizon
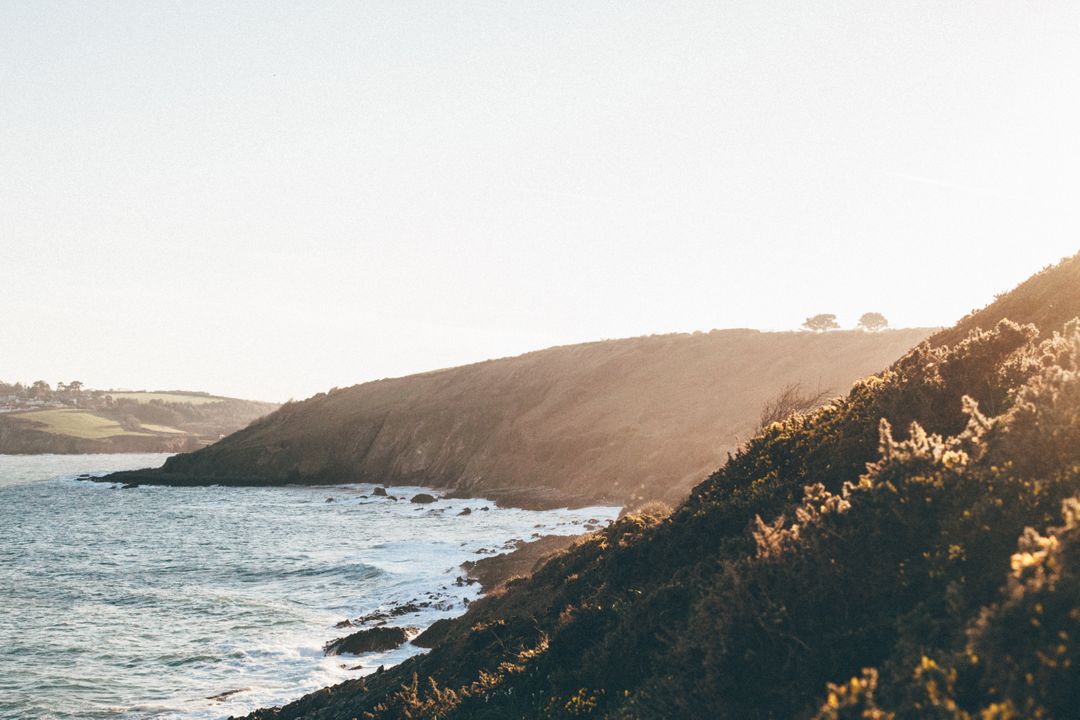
x,y
265,200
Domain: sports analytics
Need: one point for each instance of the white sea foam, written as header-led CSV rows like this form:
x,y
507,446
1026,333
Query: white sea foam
x,y
162,599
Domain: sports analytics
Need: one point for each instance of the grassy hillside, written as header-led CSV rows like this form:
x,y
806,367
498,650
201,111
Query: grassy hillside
x,y
910,551
127,422
619,420
75,423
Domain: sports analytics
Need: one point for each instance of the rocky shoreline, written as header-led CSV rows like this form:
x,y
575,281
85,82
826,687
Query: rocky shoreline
x,y
388,628
542,498
519,558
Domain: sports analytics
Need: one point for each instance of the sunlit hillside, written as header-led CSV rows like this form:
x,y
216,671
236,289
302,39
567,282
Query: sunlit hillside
x,y
615,421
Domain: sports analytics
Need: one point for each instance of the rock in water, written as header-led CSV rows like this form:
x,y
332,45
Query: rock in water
x,y
381,491
466,511
423,498
371,640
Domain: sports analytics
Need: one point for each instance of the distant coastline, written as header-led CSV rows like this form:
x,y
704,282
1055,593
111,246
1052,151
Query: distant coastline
x,y
70,419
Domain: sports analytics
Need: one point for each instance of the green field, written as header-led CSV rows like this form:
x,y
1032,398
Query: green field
x,y
146,397
75,423
133,423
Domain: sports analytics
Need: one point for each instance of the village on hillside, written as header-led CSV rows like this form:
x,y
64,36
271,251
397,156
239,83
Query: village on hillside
x,y
40,395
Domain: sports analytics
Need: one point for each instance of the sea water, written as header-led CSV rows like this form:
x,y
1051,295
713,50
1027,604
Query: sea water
x,y
159,602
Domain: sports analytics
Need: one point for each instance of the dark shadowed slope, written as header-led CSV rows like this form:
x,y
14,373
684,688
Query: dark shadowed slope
x,y
616,421
839,566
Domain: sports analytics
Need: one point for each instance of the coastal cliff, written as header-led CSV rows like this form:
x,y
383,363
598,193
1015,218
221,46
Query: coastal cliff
x,y
618,421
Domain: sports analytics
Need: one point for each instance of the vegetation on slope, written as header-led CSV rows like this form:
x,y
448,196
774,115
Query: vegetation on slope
x,y
617,421
73,422
1048,299
910,551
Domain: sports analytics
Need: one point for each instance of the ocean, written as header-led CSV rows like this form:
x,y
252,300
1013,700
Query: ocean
x,y
158,602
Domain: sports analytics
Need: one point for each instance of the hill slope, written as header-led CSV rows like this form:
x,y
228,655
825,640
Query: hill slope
x,y
911,551
106,421
614,421
1048,299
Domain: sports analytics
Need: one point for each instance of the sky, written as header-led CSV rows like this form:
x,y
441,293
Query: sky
x,y
267,199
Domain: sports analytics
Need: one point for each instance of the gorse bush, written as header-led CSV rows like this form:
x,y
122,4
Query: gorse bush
x,y
911,550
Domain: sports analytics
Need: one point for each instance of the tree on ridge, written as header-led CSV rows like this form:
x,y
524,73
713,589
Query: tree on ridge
x,y
821,323
873,321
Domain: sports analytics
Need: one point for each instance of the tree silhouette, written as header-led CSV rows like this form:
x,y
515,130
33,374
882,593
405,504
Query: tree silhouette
x,y
821,323
873,321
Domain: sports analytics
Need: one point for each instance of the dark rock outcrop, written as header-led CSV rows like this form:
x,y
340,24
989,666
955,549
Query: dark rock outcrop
x,y
434,634
423,498
375,639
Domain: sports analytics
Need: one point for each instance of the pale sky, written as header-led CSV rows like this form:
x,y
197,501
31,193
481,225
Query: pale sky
x,y
269,199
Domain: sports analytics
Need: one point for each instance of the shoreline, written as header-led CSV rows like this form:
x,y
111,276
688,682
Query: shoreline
x,y
490,572
494,571
517,555
535,498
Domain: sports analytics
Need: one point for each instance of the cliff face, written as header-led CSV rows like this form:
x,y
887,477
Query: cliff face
x,y
618,421
911,550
